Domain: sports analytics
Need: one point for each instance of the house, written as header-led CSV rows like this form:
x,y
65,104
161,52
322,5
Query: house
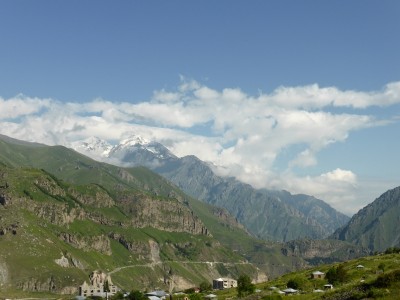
x,y
328,286
98,281
360,267
224,283
317,275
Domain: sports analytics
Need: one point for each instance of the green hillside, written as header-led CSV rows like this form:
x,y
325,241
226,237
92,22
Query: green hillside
x,y
63,215
372,277
53,234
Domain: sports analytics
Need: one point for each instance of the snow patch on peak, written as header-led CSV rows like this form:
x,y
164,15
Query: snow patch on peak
x,y
135,140
93,147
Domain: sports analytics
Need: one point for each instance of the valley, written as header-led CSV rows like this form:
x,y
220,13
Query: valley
x,y
64,215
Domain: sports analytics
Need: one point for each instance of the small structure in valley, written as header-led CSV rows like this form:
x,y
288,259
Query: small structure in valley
x,y
318,275
224,283
100,284
360,267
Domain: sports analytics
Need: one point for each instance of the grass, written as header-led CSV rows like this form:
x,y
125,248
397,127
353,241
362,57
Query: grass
x,y
359,284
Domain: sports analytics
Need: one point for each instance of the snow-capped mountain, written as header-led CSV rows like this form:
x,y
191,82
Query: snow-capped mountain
x,y
93,147
132,151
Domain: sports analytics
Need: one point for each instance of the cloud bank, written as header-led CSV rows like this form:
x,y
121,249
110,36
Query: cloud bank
x,y
244,136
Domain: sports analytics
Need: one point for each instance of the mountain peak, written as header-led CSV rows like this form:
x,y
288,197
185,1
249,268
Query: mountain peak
x,y
92,146
135,140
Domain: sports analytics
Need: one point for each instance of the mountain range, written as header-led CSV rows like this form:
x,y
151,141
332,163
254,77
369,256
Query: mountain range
x,y
270,215
63,215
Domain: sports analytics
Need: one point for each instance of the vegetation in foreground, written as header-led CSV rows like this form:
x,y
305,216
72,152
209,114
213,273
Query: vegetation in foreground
x,y
372,277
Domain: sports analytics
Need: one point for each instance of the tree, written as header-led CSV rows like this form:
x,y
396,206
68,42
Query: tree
x,y
118,296
331,275
136,295
335,275
294,283
341,274
205,286
195,296
244,286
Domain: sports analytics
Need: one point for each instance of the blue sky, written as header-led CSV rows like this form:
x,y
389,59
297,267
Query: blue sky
x,y
214,73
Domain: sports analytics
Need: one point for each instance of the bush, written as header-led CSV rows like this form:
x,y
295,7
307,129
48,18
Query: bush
x,y
195,296
118,296
336,275
245,287
386,280
136,295
205,286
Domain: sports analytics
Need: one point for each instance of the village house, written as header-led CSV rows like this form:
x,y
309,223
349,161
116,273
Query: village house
x,y
224,283
100,284
317,275
360,267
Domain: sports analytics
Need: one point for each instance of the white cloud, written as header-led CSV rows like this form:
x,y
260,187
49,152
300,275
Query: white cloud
x,y
21,106
243,135
312,97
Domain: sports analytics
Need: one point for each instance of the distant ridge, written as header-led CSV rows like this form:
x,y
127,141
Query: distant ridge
x,y
376,226
19,142
270,215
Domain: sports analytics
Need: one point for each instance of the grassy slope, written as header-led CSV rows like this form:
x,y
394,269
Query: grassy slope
x,y
42,235
360,284
75,168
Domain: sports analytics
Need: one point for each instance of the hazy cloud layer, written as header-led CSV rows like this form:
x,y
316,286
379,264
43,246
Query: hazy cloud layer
x,y
242,135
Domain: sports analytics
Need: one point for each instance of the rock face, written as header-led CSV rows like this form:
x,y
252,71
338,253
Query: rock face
x,y
93,196
34,284
167,215
69,262
99,243
376,225
322,251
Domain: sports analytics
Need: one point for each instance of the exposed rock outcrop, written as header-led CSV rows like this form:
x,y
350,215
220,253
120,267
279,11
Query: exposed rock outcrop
x,y
99,243
68,262
322,251
94,196
37,285
168,215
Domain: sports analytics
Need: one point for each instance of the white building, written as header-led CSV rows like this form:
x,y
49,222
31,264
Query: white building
x,y
224,283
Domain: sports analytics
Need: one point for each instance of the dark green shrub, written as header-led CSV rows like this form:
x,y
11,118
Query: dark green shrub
x,y
205,286
336,275
245,287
